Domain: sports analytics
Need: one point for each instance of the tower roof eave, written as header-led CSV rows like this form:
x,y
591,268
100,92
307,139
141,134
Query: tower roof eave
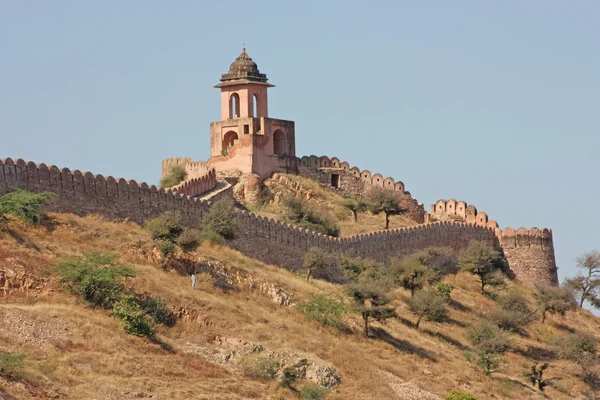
x,y
242,82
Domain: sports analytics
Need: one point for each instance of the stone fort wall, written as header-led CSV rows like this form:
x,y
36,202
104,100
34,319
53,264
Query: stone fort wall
x,y
355,181
530,253
444,210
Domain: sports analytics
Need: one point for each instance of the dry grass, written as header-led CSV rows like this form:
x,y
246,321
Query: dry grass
x,y
329,203
83,354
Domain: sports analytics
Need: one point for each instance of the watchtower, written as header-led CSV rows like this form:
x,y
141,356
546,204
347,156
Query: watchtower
x,y
246,139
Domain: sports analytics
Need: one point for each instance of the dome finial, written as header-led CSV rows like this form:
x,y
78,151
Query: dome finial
x,y
243,46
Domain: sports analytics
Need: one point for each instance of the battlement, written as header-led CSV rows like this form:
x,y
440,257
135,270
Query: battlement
x,y
530,253
458,210
353,180
200,177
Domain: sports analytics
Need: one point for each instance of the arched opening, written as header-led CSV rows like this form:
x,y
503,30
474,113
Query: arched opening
x,y
279,143
229,140
255,110
234,106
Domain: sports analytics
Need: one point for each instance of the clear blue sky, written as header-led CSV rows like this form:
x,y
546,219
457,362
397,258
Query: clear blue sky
x,y
495,103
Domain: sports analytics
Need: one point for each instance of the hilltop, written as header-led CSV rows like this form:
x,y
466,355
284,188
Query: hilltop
x,y
243,309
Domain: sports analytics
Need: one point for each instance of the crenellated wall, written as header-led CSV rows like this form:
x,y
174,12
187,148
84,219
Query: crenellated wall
x,y
445,210
200,177
86,193
530,253
354,180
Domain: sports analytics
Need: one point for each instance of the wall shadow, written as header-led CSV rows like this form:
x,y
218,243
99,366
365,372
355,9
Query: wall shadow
x,y
402,345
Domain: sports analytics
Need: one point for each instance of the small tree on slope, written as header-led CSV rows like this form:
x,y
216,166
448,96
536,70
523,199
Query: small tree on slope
x,y
380,200
483,260
587,286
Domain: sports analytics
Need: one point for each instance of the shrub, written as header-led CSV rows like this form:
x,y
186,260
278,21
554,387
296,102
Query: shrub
x,y
11,364
301,214
536,376
24,205
455,395
325,310
133,318
319,263
95,277
166,226
189,239
371,301
165,247
487,337
259,367
576,346
313,392
489,342
427,305
157,308
514,313
175,176
212,237
415,271
444,290
351,267
289,377
221,219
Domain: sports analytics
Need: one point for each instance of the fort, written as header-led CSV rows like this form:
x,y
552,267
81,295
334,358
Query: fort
x,y
248,141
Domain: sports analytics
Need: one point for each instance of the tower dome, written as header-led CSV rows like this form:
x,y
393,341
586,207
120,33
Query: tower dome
x,y
243,68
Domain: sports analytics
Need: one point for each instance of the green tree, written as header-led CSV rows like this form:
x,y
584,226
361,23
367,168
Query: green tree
x,y
553,300
427,305
388,202
371,301
356,205
318,261
482,260
134,320
24,205
174,177
417,270
587,286
95,277
326,310
489,342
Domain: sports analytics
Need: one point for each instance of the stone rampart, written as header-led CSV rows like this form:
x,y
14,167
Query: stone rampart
x,y
86,193
354,180
200,177
444,210
530,253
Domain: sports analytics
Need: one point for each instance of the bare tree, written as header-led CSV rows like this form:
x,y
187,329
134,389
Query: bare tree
x,y
587,286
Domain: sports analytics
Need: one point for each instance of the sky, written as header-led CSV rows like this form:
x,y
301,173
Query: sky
x,y
494,103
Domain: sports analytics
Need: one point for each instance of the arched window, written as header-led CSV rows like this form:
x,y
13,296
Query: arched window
x,y
256,112
229,139
234,106
279,143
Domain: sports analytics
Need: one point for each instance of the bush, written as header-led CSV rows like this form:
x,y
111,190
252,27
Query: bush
x,y
427,305
325,310
212,237
514,313
553,300
11,364
259,367
455,395
189,239
289,377
576,346
157,309
351,267
320,264
313,392
487,337
175,176
133,318
300,214
167,227
444,290
221,219
95,277
24,205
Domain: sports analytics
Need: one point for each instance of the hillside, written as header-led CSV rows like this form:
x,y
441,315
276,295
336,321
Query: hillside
x,y
76,352
324,200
